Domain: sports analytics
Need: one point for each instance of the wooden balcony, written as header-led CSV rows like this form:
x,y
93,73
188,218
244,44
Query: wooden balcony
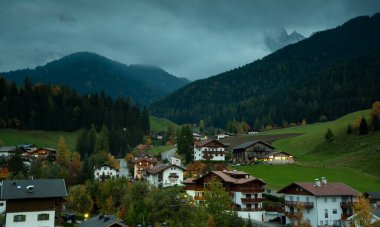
x,y
346,205
199,198
252,190
252,200
249,209
307,205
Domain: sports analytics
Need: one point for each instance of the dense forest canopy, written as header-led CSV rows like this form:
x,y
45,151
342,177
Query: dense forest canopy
x,y
332,73
52,108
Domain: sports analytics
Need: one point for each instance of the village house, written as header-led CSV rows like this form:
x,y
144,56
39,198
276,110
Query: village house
x,y
165,175
141,164
105,172
374,200
212,150
253,151
276,157
245,191
33,202
324,203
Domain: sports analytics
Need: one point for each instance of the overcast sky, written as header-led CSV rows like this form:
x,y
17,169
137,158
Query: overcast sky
x,y
188,38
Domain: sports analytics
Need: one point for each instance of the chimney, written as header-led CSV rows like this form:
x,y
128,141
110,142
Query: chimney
x,y
317,183
324,180
30,188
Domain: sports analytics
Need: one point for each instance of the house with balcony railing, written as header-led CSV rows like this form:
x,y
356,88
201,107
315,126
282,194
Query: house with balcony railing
x,y
166,174
322,203
212,150
245,191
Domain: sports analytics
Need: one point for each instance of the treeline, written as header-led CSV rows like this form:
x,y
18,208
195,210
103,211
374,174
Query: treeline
x,y
51,107
332,73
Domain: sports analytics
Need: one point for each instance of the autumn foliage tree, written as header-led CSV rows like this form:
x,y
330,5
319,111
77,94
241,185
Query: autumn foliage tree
x,y
197,169
363,212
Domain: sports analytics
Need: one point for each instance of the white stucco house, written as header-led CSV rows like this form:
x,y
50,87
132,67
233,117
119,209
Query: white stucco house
x,y
212,150
104,172
33,202
325,203
165,175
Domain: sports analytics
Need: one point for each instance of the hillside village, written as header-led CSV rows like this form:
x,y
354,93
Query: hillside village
x,y
289,139
211,177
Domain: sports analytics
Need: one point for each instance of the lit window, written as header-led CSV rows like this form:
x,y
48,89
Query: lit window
x,y
43,217
19,218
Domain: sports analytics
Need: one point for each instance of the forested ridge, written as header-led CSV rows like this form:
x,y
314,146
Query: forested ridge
x,y
91,73
332,73
53,107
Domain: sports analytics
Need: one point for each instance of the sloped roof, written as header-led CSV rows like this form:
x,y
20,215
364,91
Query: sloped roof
x,y
231,177
372,195
189,181
250,143
329,189
161,167
103,221
105,164
204,143
42,188
273,153
147,159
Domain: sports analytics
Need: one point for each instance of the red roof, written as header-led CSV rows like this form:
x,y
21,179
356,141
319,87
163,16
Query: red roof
x,y
161,167
328,189
235,177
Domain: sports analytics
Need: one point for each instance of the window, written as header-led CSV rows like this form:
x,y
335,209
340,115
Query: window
x,y
333,199
326,213
19,218
43,217
291,198
327,222
335,211
308,211
298,199
325,199
1,204
307,199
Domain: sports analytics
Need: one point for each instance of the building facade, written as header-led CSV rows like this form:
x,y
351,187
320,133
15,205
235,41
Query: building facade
x,y
105,172
322,203
33,202
141,164
212,150
245,191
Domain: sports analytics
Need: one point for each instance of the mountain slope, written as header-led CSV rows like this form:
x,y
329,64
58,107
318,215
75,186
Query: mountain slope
x,y
243,93
88,73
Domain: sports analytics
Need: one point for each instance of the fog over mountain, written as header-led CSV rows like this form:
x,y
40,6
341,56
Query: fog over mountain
x,y
193,39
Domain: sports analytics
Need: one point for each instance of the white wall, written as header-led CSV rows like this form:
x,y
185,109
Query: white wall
x,y
106,170
165,176
317,213
31,219
198,153
253,215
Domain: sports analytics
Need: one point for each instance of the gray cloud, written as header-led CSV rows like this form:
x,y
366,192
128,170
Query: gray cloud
x,y
194,38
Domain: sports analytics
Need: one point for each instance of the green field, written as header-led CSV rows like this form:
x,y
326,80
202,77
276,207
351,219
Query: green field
x,y
160,149
160,124
11,137
278,176
352,159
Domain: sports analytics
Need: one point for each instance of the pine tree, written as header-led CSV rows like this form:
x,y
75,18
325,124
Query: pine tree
x,y
185,143
363,129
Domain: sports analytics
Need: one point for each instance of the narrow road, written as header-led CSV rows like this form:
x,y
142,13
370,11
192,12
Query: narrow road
x,y
168,154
